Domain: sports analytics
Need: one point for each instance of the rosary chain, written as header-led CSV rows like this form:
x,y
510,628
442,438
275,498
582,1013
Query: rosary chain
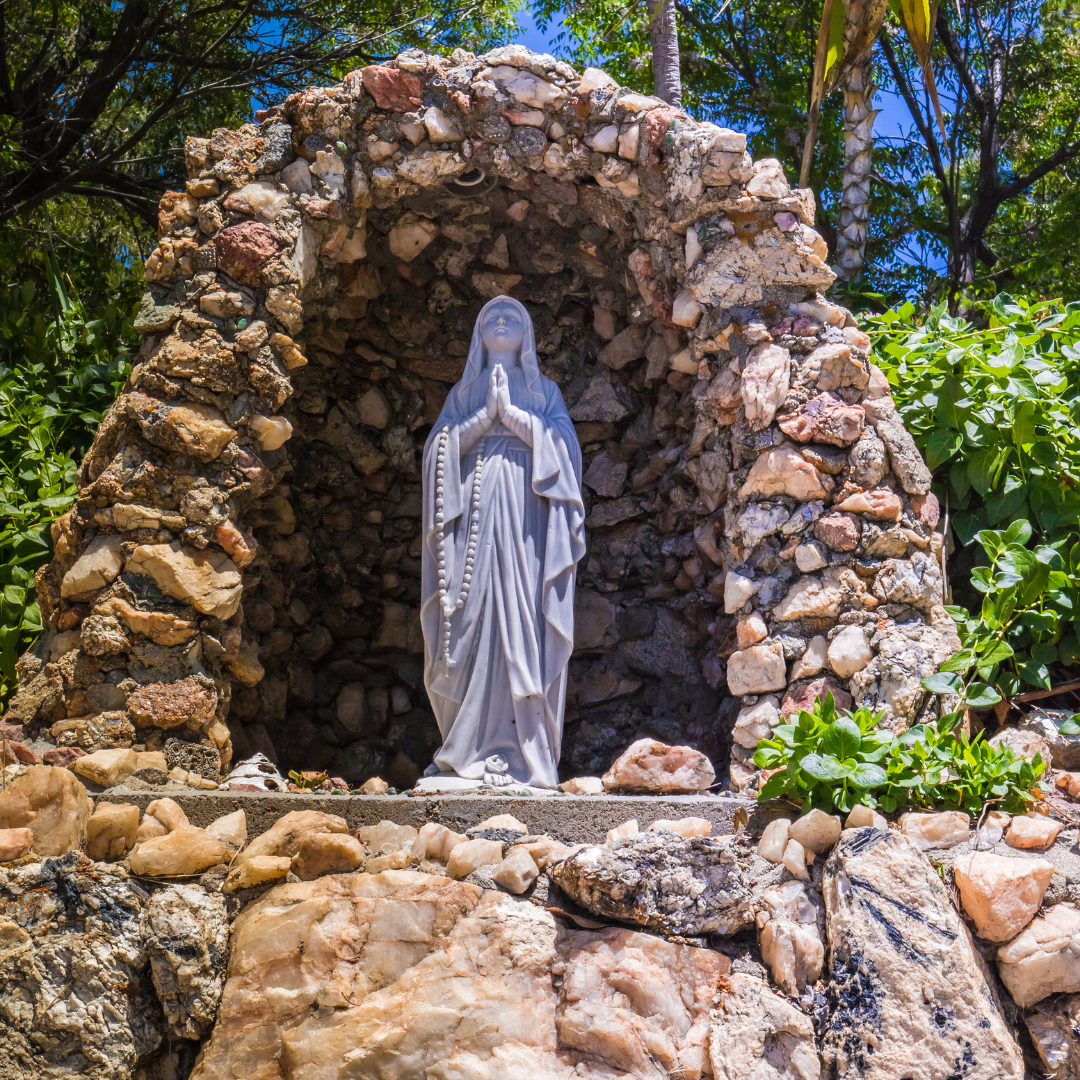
x,y
470,550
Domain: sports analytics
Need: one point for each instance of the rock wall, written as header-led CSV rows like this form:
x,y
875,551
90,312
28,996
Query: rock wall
x,y
241,568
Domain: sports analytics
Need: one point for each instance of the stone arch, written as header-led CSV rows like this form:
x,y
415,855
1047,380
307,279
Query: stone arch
x,y
241,566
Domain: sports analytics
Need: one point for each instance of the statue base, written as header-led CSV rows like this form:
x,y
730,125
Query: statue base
x,y
433,785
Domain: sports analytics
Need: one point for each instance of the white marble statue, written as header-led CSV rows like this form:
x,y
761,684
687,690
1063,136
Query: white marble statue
x,y
504,528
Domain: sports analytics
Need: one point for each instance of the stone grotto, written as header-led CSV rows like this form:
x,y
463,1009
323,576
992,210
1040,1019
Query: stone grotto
x,y
235,596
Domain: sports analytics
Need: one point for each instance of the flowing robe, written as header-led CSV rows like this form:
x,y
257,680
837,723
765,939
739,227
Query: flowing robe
x,y
505,688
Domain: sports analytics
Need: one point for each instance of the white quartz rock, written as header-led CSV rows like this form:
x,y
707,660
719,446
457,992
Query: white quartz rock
x,y
766,376
94,569
757,670
688,826
1044,959
516,872
627,828
850,651
794,860
386,837
931,831
758,1035
297,177
808,557
230,828
737,590
789,938
756,722
862,816
816,831
471,855
813,660
1001,893
271,432
605,140
435,841
635,1003
774,838
440,127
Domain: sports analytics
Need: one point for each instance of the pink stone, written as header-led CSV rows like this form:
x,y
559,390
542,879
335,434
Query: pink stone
x,y
20,752
393,89
651,766
1032,832
243,248
838,532
15,843
927,508
63,756
766,378
750,630
658,122
241,546
879,504
783,471
803,697
825,419
524,117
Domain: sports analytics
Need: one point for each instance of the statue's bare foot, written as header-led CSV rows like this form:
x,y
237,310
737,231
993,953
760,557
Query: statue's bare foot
x,y
497,771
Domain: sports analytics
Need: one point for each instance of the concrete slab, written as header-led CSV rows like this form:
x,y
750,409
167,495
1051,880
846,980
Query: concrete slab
x,y
570,818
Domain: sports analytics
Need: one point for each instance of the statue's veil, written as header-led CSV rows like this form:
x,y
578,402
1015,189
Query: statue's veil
x,y
527,389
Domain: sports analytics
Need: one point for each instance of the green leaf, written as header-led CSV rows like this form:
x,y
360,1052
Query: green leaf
x,y
1019,532
942,683
1035,674
825,767
13,594
774,787
1009,502
941,446
996,653
979,695
868,775
842,739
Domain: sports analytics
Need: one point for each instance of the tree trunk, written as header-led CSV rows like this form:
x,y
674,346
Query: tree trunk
x,y
667,81
858,148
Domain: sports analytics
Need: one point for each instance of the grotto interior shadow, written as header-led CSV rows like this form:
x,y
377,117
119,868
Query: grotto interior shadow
x,y
333,595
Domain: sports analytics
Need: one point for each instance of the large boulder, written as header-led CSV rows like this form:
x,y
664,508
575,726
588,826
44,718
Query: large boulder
x,y
402,975
680,885
74,999
908,995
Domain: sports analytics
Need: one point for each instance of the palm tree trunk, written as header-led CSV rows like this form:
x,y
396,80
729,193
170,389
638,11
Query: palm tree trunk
x,y
667,81
858,148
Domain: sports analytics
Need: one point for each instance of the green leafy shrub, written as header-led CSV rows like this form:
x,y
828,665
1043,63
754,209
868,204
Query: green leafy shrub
x,y
995,411
1025,623
831,763
59,371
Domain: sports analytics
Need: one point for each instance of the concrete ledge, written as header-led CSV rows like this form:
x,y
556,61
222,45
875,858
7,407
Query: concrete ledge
x,y
570,818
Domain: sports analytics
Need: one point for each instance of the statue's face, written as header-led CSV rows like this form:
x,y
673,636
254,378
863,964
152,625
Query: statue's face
x,y
503,331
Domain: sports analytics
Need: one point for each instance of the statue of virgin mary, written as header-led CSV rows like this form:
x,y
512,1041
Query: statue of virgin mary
x,y
504,529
